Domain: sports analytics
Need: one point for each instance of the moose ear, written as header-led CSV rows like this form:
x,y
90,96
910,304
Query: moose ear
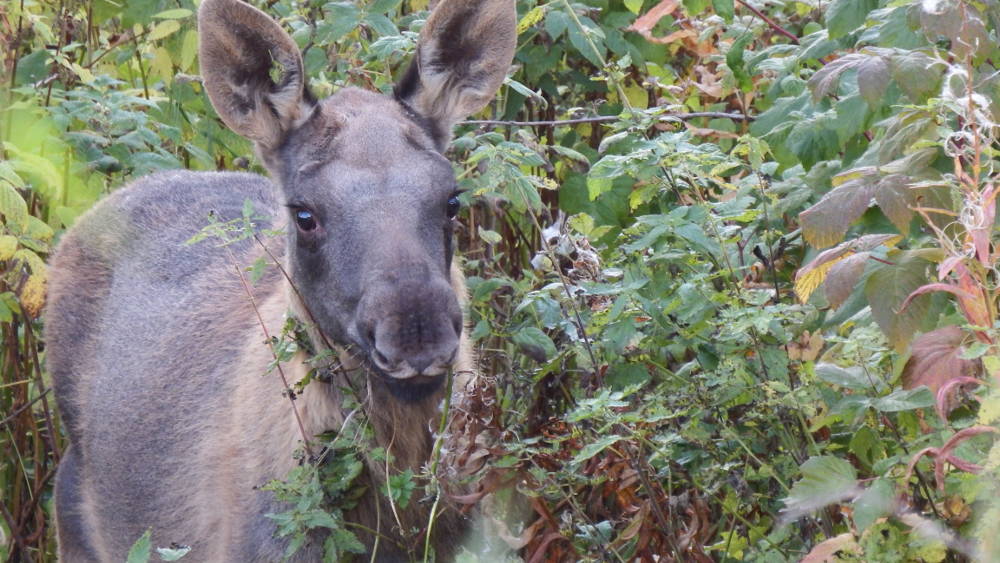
x,y
252,71
462,56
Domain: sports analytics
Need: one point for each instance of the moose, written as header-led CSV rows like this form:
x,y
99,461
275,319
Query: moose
x,y
158,346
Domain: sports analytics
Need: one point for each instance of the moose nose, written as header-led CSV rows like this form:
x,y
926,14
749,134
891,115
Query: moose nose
x,y
416,333
405,346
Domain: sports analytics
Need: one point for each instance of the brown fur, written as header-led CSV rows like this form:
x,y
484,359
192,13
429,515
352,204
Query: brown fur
x,y
158,355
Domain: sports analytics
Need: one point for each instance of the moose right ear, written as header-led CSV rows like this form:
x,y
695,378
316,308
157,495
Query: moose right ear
x,y
252,71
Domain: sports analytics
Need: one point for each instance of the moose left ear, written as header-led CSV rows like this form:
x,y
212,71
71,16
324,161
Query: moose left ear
x,y
463,54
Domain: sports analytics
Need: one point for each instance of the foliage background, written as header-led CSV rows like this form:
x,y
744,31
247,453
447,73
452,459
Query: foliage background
x,y
732,263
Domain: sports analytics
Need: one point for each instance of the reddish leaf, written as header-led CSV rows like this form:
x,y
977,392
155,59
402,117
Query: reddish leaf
x,y
826,79
842,278
936,361
894,197
825,223
873,79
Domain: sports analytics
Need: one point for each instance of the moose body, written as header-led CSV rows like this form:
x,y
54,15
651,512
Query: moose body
x,y
157,346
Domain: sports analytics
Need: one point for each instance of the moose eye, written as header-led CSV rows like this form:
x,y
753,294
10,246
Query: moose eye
x,y
305,220
453,206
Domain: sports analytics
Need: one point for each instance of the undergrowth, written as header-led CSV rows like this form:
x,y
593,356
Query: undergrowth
x,y
732,266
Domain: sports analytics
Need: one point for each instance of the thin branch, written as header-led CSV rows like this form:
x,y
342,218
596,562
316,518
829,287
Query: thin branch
x,y
609,119
770,22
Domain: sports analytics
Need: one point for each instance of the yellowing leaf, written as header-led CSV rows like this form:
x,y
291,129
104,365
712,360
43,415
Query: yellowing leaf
x,y
13,208
164,29
810,276
634,6
175,14
531,18
807,281
637,96
8,245
162,65
32,295
189,49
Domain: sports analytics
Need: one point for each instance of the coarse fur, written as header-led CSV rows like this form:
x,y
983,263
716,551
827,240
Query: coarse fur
x,y
158,353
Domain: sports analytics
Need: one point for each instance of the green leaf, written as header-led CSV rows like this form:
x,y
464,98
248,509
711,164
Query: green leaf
x,y
140,549
724,9
634,6
594,448
825,480
735,62
383,6
873,80
853,377
917,74
535,343
905,400
490,237
886,289
844,16
876,502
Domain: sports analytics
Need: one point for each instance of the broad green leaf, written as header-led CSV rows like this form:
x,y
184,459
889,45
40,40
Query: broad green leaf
x,y
535,343
886,289
383,6
905,400
877,501
844,16
853,377
724,9
917,74
825,480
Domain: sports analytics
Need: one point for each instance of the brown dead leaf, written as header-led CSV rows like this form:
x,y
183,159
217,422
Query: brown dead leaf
x,y
706,132
826,551
645,23
935,361
807,347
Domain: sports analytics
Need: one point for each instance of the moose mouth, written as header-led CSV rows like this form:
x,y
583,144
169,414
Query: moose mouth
x,y
412,389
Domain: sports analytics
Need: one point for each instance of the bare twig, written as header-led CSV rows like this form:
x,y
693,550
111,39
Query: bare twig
x,y
770,22
609,119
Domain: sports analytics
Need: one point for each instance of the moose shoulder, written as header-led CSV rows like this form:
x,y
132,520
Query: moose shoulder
x,y
157,352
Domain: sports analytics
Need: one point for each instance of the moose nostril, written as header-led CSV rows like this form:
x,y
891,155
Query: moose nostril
x,y
380,357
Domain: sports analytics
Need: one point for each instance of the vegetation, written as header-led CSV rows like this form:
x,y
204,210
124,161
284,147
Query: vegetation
x,y
732,264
